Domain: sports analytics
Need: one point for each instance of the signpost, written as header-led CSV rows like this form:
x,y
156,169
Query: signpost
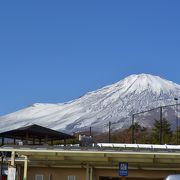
x,y
123,169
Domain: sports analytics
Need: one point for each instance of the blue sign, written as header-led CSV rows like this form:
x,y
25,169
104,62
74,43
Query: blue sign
x,y
123,169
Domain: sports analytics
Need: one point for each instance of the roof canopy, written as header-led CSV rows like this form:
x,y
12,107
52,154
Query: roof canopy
x,y
35,132
98,158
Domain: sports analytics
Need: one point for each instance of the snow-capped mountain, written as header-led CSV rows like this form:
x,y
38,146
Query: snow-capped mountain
x,y
115,103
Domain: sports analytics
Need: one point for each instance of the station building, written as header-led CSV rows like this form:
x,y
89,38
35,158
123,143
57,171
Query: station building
x,y
98,162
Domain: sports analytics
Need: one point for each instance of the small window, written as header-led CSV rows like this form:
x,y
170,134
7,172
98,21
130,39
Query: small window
x,y
71,177
39,177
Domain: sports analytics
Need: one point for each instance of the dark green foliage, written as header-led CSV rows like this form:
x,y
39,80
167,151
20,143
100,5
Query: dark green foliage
x,y
161,132
176,136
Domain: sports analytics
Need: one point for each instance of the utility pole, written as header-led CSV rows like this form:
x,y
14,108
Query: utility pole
x,y
161,127
90,131
109,132
133,129
177,124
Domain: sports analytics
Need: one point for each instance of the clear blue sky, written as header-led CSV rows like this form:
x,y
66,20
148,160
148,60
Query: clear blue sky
x,y
54,51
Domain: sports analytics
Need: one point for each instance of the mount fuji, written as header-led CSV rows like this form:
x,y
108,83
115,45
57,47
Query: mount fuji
x,y
114,103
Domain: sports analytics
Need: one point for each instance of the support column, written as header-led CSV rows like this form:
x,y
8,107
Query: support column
x,y
25,167
91,173
46,140
13,158
64,142
2,141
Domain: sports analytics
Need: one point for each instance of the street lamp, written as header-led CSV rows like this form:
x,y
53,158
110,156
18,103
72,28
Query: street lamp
x,y
177,124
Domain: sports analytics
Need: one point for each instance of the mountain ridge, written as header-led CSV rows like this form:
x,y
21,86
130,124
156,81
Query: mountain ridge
x,y
115,103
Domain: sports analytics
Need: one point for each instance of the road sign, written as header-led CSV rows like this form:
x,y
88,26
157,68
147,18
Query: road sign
x,y
123,169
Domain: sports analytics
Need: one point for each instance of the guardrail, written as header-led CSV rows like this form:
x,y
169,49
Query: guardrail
x,y
103,147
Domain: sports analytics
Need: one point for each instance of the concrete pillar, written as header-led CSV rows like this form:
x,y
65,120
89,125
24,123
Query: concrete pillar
x,y
13,158
25,167
91,173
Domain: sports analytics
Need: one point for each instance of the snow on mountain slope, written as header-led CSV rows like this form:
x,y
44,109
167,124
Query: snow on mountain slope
x,y
115,103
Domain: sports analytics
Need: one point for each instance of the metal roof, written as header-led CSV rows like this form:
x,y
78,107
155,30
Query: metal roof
x,y
35,131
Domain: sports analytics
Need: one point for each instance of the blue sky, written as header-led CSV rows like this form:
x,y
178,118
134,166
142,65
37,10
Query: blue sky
x,y
55,51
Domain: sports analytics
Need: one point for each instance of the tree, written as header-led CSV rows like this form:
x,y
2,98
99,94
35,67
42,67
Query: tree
x,y
161,132
176,136
137,127
139,133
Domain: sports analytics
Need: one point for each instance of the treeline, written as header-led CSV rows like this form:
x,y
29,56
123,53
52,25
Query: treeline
x,y
160,133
